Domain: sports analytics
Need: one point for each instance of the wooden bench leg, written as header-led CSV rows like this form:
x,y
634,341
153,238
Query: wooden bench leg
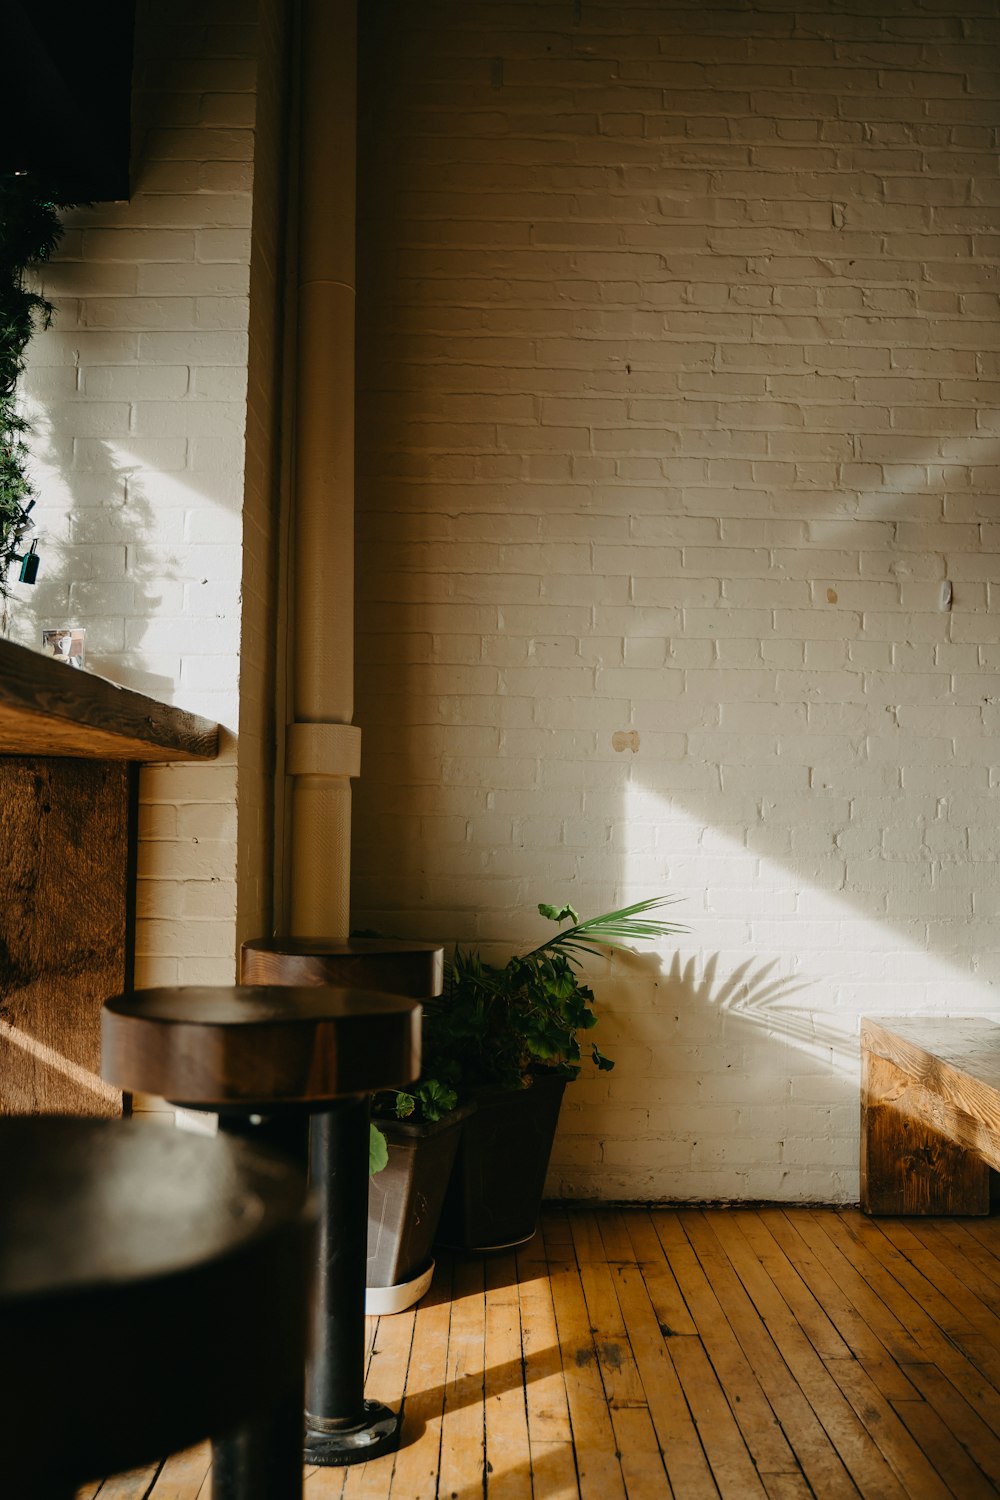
x,y
907,1167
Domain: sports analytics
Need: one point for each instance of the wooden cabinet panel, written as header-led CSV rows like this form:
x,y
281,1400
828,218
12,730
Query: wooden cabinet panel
x,y
67,865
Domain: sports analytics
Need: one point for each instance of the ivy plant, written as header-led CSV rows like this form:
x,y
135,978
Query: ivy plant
x,y
29,231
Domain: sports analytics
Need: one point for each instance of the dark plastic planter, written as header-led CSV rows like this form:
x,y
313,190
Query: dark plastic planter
x,y
495,1193
404,1199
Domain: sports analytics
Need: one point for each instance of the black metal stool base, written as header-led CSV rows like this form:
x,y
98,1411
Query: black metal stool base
x,y
377,1434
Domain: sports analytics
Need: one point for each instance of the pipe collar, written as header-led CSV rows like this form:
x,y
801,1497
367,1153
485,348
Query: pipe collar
x,y
323,750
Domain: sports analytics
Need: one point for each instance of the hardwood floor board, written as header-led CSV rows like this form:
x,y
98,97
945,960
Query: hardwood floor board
x,y
661,1279
463,1434
390,1341
556,1231
622,1384
646,1246
978,1439
684,1456
852,1325
869,1287
641,1459
417,1463
880,1240
184,1476
968,1363
507,1452
810,1314
809,1440
133,1485
964,1478
895,1442
971,1261
672,1311
320,1484
855,1445
761,1430
683,1354
987,1232
923,1256
588,1243
786,1487
553,1472
728,1456
614,1233
545,1396
598,1469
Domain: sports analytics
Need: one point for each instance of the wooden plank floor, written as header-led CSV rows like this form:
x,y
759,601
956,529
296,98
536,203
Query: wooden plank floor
x,y
635,1355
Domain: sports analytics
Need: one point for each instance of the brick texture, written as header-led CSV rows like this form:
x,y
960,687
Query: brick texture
x,y
139,398
679,362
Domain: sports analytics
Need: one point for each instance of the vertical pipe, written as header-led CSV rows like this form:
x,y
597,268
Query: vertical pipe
x,y
319,762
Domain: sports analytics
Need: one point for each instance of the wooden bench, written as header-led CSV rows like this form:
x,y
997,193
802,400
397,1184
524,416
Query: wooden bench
x,y
930,1114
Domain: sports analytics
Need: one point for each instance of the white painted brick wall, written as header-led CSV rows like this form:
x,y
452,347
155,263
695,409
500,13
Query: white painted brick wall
x,y
679,356
139,398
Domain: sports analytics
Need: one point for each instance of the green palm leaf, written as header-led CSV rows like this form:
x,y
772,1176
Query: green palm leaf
x,y
612,929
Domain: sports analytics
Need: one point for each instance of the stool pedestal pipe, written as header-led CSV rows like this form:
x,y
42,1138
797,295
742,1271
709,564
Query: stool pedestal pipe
x,y
338,1168
275,1052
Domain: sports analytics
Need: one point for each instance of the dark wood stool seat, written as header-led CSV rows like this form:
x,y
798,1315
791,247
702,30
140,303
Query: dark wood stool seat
x,y
262,1050
253,1048
395,965
129,1256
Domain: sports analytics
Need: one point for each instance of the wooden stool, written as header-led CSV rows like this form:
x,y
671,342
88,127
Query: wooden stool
x,y
269,1052
129,1258
393,965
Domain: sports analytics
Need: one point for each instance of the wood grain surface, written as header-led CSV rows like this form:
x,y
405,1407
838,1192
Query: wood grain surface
x,y
930,1114
244,1046
67,835
392,965
49,708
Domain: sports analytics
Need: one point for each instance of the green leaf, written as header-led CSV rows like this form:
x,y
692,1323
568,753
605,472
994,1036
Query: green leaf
x,y
557,913
405,1105
378,1150
436,1099
604,1063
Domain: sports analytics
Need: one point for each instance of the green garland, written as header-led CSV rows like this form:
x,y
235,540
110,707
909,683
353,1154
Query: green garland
x,y
29,232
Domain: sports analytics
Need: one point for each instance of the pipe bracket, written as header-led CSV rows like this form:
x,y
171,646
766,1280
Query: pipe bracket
x,y
323,750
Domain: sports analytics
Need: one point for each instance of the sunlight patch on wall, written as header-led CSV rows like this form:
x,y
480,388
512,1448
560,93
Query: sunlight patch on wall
x,y
737,1051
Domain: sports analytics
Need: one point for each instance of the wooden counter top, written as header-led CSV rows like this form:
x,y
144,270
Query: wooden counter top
x,y
49,708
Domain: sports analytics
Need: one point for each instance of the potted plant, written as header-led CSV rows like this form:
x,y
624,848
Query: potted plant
x,y
414,1137
508,1039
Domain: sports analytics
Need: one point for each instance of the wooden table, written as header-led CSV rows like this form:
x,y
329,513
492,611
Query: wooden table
x,y
930,1114
70,747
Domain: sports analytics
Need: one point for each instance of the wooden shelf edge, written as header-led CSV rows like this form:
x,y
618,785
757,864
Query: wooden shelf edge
x,y
49,708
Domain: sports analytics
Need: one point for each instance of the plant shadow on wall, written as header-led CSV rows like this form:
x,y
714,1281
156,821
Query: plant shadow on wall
x,y
94,521
741,1044
81,493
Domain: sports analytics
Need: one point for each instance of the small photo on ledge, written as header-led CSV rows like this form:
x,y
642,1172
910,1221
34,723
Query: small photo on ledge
x,y
66,645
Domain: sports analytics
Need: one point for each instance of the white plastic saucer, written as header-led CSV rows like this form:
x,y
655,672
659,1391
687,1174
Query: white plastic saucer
x,y
382,1300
